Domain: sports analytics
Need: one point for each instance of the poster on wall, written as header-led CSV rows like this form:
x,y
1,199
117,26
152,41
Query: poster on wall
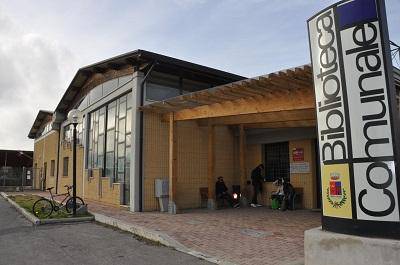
x,y
298,154
356,110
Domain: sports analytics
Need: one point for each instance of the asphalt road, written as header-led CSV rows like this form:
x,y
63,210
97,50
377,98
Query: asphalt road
x,y
75,244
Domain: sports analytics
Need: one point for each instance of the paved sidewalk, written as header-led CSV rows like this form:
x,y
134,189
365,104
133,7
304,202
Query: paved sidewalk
x,y
77,244
241,236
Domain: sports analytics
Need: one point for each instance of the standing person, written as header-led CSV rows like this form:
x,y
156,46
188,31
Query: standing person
x,y
257,180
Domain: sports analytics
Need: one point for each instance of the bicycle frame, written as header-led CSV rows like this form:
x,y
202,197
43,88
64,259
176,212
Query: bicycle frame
x,y
67,196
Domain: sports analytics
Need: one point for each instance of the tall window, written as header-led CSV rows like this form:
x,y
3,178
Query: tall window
x,y
68,133
65,166
52,167
277,161
109,139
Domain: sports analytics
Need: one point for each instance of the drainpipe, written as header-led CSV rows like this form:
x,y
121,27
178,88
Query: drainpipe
x,y
141,136
58,159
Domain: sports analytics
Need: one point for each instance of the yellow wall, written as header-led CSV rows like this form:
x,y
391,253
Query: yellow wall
x,y
45,150
155,157
191,159
98,188
66,151
307,181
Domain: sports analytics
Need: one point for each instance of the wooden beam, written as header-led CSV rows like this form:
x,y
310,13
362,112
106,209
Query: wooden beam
x,y
172,165
271,117
242,156
282,124
211,166
305,100
239,90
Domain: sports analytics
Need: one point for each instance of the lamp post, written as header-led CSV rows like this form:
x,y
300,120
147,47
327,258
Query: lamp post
x,y
74,116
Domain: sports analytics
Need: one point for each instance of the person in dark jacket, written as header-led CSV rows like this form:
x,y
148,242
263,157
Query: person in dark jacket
x,y
221,192
257,180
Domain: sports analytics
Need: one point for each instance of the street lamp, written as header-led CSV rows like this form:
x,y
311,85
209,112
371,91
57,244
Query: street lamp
x,y
74,117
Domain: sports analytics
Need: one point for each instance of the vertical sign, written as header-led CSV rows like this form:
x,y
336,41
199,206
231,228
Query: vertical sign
x,y
356,114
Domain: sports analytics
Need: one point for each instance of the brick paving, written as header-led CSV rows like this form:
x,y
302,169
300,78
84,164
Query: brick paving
x,y
241,236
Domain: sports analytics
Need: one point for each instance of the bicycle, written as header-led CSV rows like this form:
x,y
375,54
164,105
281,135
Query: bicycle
x,y
43,207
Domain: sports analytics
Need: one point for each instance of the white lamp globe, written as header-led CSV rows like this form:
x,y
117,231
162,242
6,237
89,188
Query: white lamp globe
x,y
75,116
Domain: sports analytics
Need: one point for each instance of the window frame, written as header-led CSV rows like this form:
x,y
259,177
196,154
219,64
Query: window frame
x,y
52,167
65,166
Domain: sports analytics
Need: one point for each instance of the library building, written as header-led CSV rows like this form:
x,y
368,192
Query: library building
x,y
157,132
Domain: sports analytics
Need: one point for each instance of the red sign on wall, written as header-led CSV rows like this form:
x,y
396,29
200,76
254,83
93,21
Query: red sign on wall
x,y
298,154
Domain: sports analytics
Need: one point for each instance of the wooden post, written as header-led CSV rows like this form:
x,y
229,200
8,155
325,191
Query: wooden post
x,y
172,165
211,167
242,156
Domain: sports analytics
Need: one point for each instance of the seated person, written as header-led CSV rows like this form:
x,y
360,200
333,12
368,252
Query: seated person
x,y
284,193
221,192
279,194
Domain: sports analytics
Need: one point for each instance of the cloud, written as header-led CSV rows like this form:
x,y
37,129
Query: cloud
x,y
43,43
33,70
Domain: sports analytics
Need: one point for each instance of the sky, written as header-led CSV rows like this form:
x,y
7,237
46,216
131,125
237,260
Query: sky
x,y
43,43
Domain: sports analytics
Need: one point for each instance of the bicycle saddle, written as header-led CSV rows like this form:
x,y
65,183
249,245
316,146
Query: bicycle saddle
x,y
50,188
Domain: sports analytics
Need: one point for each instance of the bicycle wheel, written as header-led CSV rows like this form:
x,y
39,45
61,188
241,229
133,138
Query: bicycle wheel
x,y
42,208
69,206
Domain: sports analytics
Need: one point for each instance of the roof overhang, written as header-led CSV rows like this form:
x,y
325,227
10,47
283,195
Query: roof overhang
x,y
213,102
277,84
141,60
42,116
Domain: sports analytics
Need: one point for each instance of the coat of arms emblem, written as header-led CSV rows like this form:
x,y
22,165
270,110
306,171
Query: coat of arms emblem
x,y
336,194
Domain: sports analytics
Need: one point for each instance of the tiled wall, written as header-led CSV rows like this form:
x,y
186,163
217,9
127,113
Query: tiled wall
x,y
45,150
155,157
98,188
192,155
307,181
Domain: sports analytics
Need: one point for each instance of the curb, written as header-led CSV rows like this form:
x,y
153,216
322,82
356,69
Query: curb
x,y
67,220
156,236
33,219
36,221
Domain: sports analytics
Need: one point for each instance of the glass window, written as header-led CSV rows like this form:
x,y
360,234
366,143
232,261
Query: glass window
x,y
101,124
111,117
110,138
157,92
110,86
277,165
52,167
84,103
121,130
129,100
124,80
109,172
128,156
65,166
121,164
128,139
121,149
96,93
122,109
110,141
128,120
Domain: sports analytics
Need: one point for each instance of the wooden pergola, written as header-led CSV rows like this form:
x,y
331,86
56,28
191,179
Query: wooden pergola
x,y
283,99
